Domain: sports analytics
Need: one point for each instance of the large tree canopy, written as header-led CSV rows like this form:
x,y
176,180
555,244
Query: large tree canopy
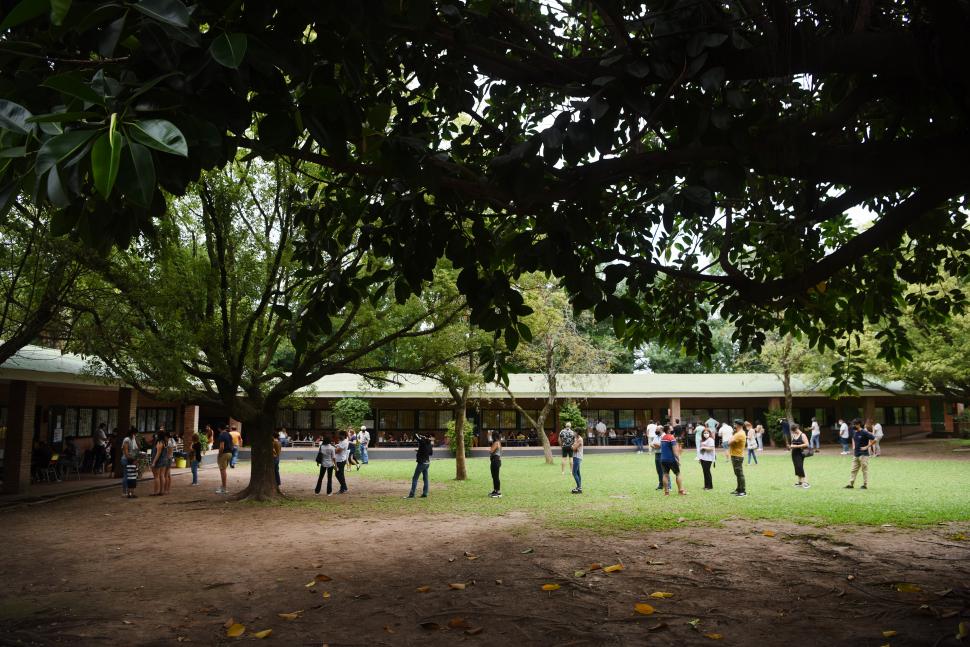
x,y
702,153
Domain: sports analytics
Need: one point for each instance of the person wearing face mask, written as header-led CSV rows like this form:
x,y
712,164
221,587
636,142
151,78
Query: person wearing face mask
x,y
708,456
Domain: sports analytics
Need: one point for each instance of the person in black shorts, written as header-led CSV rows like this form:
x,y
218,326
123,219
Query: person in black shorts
x,y
670,460
566,439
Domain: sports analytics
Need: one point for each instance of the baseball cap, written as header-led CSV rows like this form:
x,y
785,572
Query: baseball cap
x,y
363,427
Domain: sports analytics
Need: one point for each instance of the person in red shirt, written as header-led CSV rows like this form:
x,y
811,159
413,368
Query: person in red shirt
x,y
670,460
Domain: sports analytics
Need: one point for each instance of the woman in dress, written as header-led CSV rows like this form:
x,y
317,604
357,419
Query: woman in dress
x,y
707,457
495,465
799,443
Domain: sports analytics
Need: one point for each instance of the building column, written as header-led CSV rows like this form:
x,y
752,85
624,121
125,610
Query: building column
x,y
674,409
190,421
127,409
869,409
774,403
20,434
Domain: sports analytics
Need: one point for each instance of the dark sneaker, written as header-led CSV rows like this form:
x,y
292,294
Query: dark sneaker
x,y
742,494
496,495
849,487
864,487
410,496
424,496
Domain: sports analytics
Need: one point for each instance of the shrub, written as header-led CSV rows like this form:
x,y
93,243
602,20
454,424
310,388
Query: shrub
x,y
350,413
773,426
453,440
569,412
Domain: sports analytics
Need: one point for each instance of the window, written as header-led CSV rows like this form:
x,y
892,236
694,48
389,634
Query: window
x,y
879,415
434,420
608,416
850,412
70,422
326,418
284,418
626,419
149,420
643,417
722,415
303,419
500,419
905,415
84,422
402,419
547,423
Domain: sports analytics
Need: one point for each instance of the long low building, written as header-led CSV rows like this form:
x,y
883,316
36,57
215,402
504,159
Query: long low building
x,y
49,396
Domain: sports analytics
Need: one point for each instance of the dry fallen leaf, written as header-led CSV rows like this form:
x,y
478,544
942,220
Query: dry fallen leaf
x,y
430,626
850,577
458,623
656,562
228,623
613,569
527,551
235,630
595,566
388,629
290,616
550,587
310,583
906,587
320,577
658,626
660,595
963,630
579,573
126,622
326,595
714,636
423,589
474,631
888,634
263,633
457,586
943,593
655,546
768,533
499,582
643,608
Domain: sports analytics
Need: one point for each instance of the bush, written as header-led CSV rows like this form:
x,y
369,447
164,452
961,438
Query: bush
x,y
453,440
569,412
773,419
350,413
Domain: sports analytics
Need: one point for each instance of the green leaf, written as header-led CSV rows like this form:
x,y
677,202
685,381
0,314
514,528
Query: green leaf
x,y
24,11
159,134
61,117
14,151
58,148
59,9
229,50
13,117
141,179
72,85
55,190
105,160
171,12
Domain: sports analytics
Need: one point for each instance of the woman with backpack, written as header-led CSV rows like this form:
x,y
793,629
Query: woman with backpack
x,y
799,446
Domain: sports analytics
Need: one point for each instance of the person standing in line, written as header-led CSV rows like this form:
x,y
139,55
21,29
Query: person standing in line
x,y
759,434
736,452
224,444
236,444
651,435
655,446
725,432
844,438
129,456
711,424
210,435
786,431
100,447
364,439
752,443
708,454
799,445
195,458
861,441
601,432
423,458
566,438
495,465
158,463
343,452
277,453
815,442
167,470
698,438
670,460
577,464
638,439
591,435
875,449
679,432
326,458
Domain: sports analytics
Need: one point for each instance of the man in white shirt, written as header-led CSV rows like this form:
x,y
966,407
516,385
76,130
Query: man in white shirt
x,y
651,433
816,439
601,432
844,436
726,431
363,440
874,448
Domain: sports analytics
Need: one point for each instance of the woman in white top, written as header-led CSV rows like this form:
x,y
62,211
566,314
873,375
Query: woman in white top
x,y
707,456
752,443
759,434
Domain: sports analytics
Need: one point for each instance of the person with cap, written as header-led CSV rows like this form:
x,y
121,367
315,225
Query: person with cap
x,y
566,438
364,439
736,447
423,457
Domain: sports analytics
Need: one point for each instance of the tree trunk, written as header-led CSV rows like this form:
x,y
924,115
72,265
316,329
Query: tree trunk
x,y
786,382
541,431
262,477
461,473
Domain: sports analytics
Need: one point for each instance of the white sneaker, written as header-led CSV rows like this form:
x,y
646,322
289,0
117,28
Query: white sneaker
x,y
806,485
221,491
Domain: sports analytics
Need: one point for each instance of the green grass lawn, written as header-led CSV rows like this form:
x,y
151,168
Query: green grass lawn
x,y
619,492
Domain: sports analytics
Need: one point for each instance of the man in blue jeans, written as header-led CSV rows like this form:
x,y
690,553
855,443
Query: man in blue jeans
x,y
363,440
423,458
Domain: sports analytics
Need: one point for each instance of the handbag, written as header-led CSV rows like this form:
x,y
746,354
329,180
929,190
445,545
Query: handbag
x,y
808,451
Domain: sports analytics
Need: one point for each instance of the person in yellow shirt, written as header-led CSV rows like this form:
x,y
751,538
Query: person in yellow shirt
x,y
236,444
736,451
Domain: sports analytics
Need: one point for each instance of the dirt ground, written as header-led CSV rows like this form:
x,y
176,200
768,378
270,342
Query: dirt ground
x,y
98,570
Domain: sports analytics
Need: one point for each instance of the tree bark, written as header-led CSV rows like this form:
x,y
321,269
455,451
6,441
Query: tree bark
x,y
262,477
461,473
786,376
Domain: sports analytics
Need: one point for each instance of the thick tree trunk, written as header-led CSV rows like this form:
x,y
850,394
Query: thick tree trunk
x,y
786,382
262,477
541,431
461,473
